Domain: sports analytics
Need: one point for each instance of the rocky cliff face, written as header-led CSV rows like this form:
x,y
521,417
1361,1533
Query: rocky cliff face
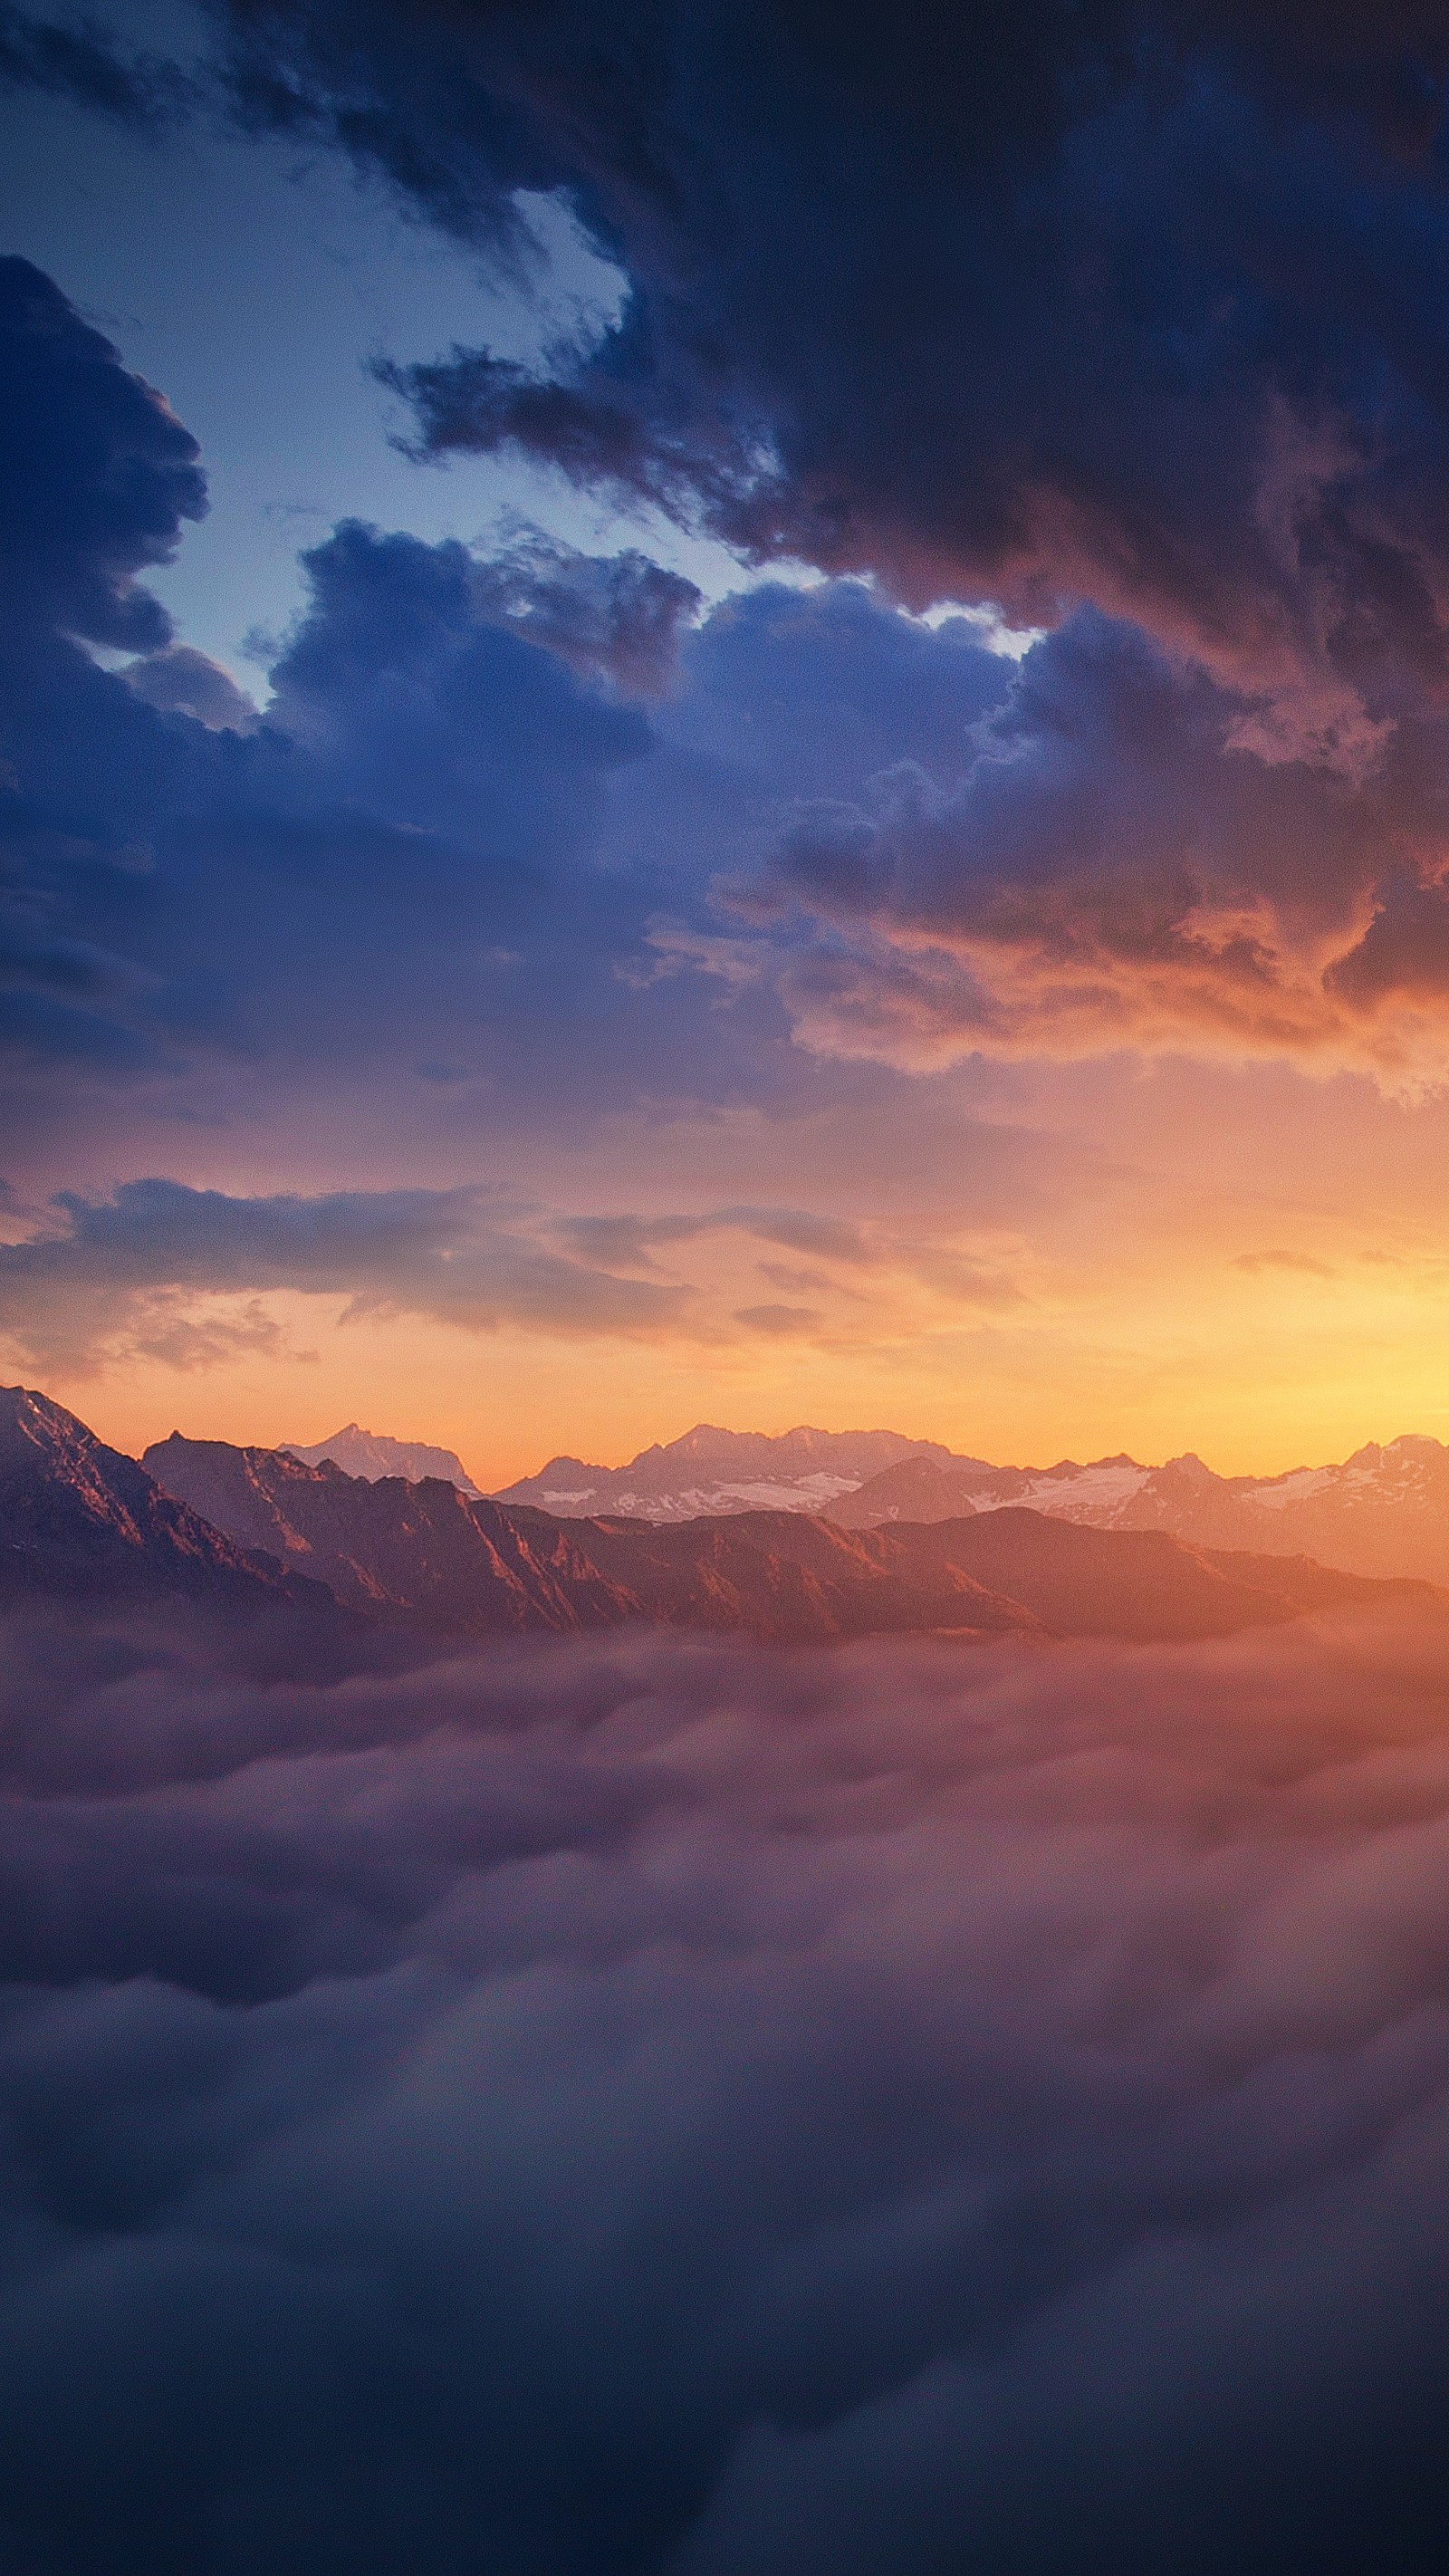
x,y
81,1521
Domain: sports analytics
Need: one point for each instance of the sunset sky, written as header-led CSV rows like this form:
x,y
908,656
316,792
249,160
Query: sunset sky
x,y
732,715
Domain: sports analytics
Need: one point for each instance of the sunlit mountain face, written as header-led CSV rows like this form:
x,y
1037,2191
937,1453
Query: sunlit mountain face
x,y
723,801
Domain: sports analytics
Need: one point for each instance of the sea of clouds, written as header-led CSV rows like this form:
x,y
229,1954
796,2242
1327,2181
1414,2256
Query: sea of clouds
x,y
646,2104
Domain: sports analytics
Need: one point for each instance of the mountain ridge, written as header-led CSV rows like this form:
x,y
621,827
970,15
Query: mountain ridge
x,y
425,1551
82,1521
1383,1511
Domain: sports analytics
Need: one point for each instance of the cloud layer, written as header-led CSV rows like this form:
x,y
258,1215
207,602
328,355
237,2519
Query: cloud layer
x,y
656,2106
545,808
1126,308
114,1277
1138,305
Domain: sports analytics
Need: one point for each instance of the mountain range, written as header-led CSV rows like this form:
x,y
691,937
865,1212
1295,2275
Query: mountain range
x,y
480,1567
247,1529
710,1472
1383,1511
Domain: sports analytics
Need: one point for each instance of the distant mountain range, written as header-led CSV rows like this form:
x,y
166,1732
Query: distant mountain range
x,y
249,1530
1384,1511
711,1472
373,1454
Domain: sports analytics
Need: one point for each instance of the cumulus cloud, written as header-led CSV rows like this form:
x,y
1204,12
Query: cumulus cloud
x,y
186,682
96,474
645,2103
184,885
622,615
544,803
1106,867
1147,321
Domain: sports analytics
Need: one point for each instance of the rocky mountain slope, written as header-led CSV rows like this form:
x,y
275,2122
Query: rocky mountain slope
x,y
387,1545
375,1453
81,1522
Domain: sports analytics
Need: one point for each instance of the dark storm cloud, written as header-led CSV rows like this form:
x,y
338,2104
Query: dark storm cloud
x,y
450,799
454,798
104,1275
1136,304
1141,308
182,882
650,2105
96,474
86,64
1113,860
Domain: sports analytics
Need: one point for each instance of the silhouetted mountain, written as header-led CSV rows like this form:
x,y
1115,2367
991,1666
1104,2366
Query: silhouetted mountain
x,y
1384,1511
713,1472
374,1454
79,1521
430,1553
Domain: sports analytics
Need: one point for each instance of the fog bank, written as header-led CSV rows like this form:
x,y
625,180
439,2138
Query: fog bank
x,y
645,2104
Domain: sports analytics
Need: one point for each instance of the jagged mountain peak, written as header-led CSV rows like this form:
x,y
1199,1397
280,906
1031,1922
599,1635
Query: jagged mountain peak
x,y
376,1454
81,1520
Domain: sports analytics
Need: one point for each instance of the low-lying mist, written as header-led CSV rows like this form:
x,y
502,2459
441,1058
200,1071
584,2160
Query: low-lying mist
x,y
650,2105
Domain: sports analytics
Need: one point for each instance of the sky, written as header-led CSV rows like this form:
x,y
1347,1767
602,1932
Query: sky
x,y
726,713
